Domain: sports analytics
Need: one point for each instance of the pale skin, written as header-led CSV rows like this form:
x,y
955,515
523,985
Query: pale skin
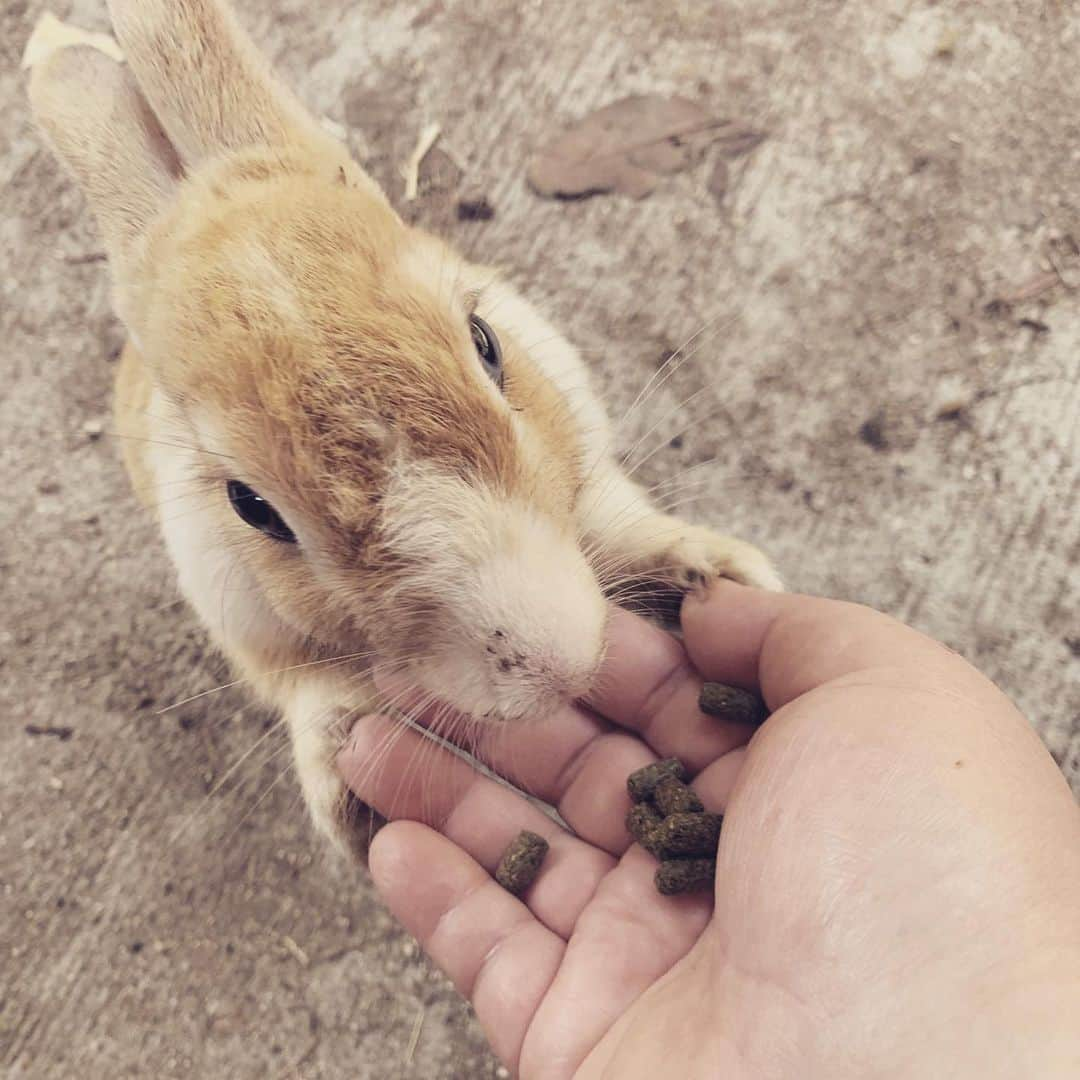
x,y
898,883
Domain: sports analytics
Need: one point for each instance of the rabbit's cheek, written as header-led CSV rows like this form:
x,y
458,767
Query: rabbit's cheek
x,y
196,521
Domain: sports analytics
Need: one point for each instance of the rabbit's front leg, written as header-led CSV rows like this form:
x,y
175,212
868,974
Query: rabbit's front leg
x,y
319,709
654,558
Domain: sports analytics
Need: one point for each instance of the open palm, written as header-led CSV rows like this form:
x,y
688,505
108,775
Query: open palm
x,y
849,866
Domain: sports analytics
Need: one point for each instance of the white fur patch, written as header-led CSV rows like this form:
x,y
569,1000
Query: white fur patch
x,y
221,589
524,616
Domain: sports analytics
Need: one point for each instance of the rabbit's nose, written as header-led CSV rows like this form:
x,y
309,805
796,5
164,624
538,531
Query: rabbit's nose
x,y
566,657
505,655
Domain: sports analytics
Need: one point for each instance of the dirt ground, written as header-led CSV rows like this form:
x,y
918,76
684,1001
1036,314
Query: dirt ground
x,y
889,386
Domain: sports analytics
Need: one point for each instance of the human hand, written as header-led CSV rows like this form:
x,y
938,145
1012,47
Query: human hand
x,y
898,875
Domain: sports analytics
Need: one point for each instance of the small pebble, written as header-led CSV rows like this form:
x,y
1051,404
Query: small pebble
x,y
672,796
731,703
685,875
685,834
475,209
521,861
642,784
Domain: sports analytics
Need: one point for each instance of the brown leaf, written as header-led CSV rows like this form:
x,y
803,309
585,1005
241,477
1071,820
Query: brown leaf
x,y
627,145
737,140
718,179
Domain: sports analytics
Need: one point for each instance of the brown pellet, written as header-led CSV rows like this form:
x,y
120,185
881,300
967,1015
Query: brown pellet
x,y
685,834
642,784
672,796
731,703
521,861
641,821
685,875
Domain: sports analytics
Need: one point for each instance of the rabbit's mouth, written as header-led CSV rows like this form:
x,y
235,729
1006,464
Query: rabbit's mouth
x,y
482,687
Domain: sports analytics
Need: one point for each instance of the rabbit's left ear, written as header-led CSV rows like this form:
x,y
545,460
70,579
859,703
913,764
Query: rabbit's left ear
x,y
101,127
212,89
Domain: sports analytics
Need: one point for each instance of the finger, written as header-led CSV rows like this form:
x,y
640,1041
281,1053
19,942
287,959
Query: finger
x,y
788,644
629,937
647,685
575,761
716,783
486,941
404,775
572,760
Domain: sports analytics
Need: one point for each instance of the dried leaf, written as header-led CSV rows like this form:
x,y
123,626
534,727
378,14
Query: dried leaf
x,y
626,146
51,34
718,179
738,140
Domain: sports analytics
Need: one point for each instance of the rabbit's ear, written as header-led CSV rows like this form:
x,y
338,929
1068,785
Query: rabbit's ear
x,y
101,127
211,88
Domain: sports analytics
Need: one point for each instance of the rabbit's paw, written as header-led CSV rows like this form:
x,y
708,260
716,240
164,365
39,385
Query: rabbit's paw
x,y
698,556
347,822
677,558
319,728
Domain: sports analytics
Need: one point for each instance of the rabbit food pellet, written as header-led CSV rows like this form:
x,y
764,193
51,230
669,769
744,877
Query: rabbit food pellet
x,y
685,875
641,821
672,796
642,784
685,834
731,703
521,861
669,821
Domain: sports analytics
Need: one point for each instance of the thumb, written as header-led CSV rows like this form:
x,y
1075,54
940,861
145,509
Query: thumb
x,y
787,644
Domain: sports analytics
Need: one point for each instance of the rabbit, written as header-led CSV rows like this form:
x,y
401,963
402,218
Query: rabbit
x,y
359,446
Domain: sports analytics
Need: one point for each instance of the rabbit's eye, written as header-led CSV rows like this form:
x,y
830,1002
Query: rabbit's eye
x,y
488,349
257,512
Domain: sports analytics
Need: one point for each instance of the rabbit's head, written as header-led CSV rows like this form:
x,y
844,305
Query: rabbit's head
x,y
356,447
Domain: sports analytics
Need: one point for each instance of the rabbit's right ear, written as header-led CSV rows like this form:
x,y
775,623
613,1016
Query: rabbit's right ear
x,y
101,127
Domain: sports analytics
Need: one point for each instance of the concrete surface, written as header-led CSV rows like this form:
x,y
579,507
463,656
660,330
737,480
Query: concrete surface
x,y
883,423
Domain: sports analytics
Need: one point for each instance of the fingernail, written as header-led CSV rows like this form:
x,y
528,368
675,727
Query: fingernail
x,y
710,590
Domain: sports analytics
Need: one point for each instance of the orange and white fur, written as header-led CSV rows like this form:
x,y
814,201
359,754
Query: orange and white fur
x,y
357,444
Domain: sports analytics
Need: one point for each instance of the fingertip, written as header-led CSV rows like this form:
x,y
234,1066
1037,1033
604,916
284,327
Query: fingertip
x,y
786,644
725,591
406,853
724,629
420,875
627,630
699,599
389,858
355,752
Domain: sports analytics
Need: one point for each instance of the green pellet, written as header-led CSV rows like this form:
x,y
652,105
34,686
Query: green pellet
x,y
521,861
642,784
676,876
685,834
641,822
731,703
672,796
